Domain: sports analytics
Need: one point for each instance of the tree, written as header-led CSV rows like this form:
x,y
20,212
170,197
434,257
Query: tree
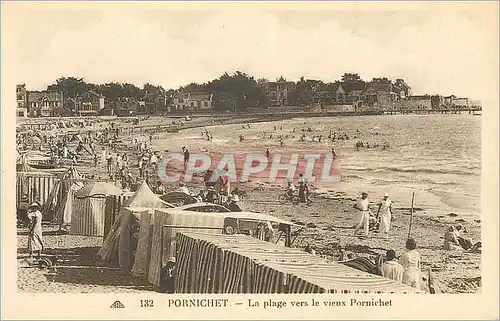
x,y
69,86
262,82
306,91
236,92
112,91
351,78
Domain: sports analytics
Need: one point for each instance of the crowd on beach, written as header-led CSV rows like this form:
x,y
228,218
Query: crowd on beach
x,y
140,162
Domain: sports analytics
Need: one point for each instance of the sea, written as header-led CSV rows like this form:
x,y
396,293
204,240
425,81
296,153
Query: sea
x,y
436,157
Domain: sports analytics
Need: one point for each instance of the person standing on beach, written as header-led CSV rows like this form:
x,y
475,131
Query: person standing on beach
x,y
410,260
109,162
364,214
35,229
385,210
153,161
302,188
334,154
186,157
119,165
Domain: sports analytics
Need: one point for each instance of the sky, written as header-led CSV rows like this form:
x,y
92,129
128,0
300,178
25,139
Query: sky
x,y
448,48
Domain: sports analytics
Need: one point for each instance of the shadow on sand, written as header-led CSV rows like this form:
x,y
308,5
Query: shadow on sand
x,y
81,265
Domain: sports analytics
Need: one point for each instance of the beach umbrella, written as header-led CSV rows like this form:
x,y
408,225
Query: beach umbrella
x,y
98,189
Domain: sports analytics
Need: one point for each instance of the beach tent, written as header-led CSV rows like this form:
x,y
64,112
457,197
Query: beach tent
x,y
89,208
34,186
65,208
98,189
57,205
114,203
143,197
166,223
208,263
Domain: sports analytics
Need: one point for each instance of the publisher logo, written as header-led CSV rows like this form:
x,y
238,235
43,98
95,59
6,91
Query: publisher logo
x,y
117,305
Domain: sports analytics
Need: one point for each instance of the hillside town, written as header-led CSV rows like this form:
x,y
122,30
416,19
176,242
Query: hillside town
x,y
70,96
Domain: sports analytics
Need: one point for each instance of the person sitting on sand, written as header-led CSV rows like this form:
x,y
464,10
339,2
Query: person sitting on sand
x,y
160,188
235,194
201,196
211,195
465,242
451,239
167,280
391,268
410,260
309,249
183,188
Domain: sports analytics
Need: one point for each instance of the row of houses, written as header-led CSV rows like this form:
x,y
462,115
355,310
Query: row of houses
x,y
54,103
379,91
378,94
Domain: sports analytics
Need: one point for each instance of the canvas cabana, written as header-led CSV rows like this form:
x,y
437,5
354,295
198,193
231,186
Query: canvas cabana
x,y
59,205
143,197
157,244
89,208
208,263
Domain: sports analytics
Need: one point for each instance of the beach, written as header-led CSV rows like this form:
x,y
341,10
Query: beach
x,y
437,157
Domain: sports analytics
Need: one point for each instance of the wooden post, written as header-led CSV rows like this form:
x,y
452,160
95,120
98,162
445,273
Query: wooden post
x,y
411,214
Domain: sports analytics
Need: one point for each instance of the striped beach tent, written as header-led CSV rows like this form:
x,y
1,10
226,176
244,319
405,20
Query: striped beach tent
x,y
168,222
89,208
34,186
113,205
143,197
208,263
65,207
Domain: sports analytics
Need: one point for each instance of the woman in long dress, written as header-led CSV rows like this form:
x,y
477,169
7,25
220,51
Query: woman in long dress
x,y
410,260
35,230
385,216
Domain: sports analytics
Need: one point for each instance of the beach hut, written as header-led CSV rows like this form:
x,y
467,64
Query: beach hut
x,y
166,223
89,208
58,206
34,186
208,263
65,207
114,203
144,198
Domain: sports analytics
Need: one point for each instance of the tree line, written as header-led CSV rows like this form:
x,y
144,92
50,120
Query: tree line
x,y
232,92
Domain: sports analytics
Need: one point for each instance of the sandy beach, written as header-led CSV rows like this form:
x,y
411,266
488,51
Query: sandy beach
x,y
327,223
